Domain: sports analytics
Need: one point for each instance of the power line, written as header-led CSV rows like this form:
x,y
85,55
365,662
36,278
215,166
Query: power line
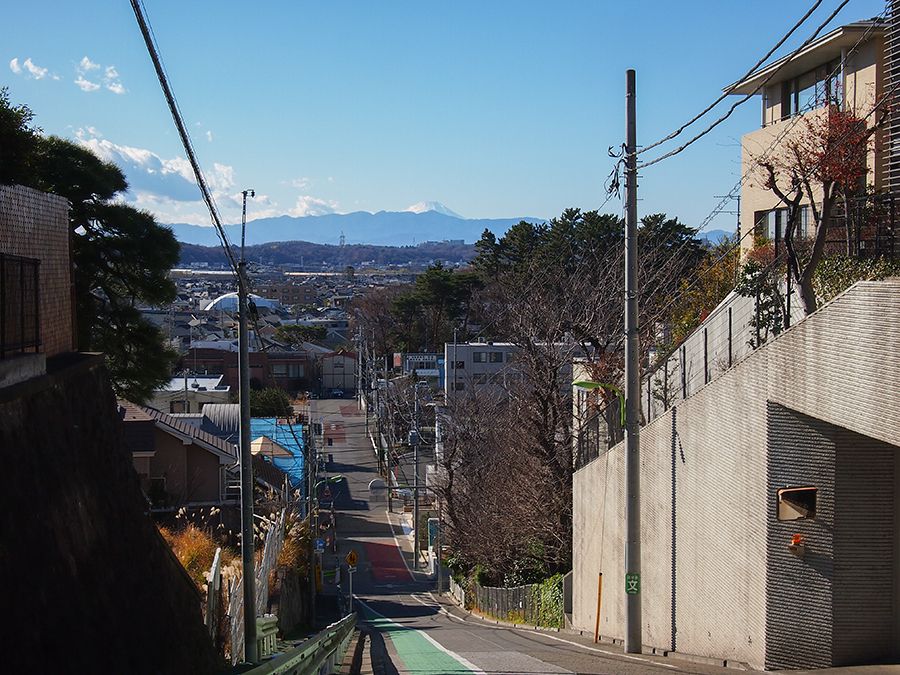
x,y
747,97
149,40
722,97
776,141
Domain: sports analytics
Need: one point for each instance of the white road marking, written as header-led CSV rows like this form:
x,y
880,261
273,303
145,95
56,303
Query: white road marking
x,y
449,652
558,639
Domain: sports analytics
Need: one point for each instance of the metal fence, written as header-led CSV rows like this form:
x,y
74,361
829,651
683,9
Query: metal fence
x,y
233,592
20,318
532,604
727,336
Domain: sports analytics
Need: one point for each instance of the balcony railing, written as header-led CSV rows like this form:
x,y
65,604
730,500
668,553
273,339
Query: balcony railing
x,y
20,318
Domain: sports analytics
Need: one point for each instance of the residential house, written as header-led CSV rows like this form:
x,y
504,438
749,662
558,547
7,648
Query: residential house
x,y
179,464
37,313
338,371
189,392
844,69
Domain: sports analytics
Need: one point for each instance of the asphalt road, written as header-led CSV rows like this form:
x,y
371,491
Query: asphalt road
x,y
417,632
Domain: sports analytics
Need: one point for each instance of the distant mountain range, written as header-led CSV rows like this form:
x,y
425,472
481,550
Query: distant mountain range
x,y
426,221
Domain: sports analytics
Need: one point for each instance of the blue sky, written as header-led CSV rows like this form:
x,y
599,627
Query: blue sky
x,y
496,109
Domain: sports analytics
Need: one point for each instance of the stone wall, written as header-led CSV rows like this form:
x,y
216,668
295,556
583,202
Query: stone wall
x,y
35,224
89,584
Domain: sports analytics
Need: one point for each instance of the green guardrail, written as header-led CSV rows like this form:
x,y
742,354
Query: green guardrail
x,y
324,649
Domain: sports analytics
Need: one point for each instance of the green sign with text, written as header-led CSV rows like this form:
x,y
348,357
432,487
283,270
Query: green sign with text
x,y
632,584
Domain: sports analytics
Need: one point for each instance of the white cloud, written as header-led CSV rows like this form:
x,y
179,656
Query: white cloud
x,y
209,136
109,79
86,64
308,205
299,183
166,186
30,69
86,85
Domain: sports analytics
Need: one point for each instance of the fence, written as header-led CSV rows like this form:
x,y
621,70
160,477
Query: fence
x,y
234,592
532,604
20,319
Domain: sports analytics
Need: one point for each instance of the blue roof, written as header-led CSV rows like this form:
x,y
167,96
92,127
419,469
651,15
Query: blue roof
x,y
292,442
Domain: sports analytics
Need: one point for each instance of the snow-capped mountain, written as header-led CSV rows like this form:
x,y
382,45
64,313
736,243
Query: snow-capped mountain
x,y
437,207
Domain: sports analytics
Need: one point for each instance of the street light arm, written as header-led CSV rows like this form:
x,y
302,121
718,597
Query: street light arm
x,y
589,384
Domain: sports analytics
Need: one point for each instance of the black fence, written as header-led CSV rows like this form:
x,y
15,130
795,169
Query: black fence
x,y
601,430
865,227
20,318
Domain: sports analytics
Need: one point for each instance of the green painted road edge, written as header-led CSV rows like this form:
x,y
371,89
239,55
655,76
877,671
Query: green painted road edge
x,y
420,653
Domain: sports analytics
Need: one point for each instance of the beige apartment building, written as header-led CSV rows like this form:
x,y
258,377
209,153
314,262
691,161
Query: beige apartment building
x,y
845,68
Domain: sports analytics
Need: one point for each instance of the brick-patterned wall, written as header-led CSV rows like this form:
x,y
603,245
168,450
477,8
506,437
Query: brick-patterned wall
x,y
704,588
800,621
34,224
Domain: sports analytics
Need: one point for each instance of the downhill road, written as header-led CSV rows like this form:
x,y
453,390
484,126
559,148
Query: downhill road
x,y
412,629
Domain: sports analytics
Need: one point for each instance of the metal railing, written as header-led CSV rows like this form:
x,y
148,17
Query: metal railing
x,y
322,653
20,317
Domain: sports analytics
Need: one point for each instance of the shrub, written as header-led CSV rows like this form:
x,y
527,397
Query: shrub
x,y
195,550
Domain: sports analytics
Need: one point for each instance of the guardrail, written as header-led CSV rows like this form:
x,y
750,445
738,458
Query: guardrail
x,y
322,653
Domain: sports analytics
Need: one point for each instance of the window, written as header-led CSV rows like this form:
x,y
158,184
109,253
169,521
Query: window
x,y
813,89
479,378
479,357
495,357
338,364
798,503
773,224
459,386
457,365
294,370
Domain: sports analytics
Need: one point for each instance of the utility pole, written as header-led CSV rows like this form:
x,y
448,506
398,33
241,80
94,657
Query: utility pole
x,y
247,557
632,387
311,470
414,441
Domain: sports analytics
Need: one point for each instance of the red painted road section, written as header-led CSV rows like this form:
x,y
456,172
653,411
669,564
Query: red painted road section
x,y
387,563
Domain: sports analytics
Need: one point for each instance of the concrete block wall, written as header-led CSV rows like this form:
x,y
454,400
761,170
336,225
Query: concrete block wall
x,y
35,224
704,576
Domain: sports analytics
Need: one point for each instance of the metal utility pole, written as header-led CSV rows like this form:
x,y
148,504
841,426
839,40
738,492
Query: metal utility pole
x,y
247,557
632,387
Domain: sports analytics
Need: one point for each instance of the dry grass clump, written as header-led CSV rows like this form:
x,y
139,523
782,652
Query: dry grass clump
x,y
195,550
295,553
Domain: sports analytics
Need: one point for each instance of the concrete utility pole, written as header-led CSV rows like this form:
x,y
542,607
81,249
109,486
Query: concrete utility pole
x,y
632,387
414,441
247,557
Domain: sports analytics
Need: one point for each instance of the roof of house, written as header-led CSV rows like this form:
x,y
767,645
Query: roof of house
x,y
817,52
184,428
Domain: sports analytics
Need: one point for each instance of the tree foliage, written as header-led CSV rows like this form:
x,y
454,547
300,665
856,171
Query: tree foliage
x,y
121,255
270,402
824,160
296,335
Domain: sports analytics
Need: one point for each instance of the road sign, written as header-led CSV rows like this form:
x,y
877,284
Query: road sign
x,y
632,584
320,545
351,558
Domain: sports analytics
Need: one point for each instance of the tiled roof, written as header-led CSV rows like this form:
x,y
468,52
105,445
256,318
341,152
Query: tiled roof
x,y
185,428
